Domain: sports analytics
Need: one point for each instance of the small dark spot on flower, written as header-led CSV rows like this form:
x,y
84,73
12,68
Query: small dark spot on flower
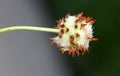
x,y
62,31
76,26
68,14
62,26
59,21
77,35
67,29
60,36
72,37
72,42
64,19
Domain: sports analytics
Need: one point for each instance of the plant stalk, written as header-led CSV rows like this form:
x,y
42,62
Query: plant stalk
x,y
34,28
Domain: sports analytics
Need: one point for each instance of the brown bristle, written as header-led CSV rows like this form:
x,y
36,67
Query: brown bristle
x,y
62,51
77,35
88,19
83,25
80,49
94,39
92,22
73,53
77,47
68,14
78,53
79,15
77,21
87,50
71,42
69,50
81,18
59,21
67,29
82,53
63,19
58,46
62,31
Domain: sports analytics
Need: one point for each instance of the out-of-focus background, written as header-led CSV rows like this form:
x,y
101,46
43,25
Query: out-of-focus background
x,y
104,56
29,53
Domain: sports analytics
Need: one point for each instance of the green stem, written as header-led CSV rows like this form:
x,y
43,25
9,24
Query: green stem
x,y
34,28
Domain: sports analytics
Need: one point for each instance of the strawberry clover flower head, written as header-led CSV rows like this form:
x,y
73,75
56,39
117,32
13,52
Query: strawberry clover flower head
x,y
76,32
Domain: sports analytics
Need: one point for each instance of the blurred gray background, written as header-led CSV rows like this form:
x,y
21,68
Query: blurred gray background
x,y
29,53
